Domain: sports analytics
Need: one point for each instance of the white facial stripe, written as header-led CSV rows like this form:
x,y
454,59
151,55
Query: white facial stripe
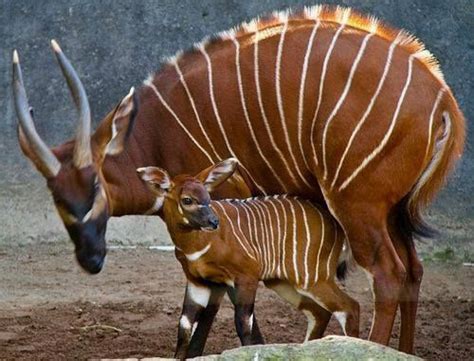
x,y
342,98
385,139
185,220
199,295
264,115
321,86
246,114
364,117
301,93
196,255
280,104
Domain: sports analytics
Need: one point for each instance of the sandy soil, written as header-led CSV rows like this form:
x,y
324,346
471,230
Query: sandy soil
x,y
50,309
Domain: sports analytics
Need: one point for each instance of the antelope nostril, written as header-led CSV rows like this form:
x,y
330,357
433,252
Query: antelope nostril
x,y
214,222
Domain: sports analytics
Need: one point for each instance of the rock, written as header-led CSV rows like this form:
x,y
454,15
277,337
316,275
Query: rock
x,y
328,348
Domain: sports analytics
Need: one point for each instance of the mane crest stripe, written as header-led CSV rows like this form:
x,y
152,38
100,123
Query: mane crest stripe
x,y
327,14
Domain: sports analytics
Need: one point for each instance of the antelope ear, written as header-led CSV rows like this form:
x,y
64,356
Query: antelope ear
x,y
156,178
112,134
217,174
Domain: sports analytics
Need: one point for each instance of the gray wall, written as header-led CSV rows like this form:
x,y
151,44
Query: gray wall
x,y
115,44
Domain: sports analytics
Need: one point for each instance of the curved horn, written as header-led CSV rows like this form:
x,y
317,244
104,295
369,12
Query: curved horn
x,y
82,148
46,161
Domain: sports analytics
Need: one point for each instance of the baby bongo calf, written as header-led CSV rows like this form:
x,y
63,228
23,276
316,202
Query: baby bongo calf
x,y
284,241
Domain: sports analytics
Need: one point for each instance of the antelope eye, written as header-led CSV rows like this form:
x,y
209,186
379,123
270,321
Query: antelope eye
x,y
187,201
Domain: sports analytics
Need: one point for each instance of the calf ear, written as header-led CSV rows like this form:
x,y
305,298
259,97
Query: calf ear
x,y
217,174
112,133
156,178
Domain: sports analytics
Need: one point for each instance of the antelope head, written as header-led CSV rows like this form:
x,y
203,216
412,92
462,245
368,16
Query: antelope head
x,y
187,198
73,170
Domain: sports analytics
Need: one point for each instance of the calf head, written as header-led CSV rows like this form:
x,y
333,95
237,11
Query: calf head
x,y
73,170
186,199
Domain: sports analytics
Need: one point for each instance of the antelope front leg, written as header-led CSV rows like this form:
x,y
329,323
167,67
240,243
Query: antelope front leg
x,y
244,301
204,322
196,299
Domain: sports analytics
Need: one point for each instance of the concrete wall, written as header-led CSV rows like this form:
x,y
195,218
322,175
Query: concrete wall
x,y
115,43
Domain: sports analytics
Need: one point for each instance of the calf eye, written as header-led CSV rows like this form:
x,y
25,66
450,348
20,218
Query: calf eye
x,y
187,201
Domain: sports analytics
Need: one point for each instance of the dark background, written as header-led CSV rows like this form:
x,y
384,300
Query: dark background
x,y
115,44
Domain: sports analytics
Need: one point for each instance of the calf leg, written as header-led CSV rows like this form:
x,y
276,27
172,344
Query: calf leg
x,y
204,322
318,317
335,301
244,301
200,306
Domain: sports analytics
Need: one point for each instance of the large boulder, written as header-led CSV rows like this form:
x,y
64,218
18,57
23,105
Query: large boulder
x,y
328,348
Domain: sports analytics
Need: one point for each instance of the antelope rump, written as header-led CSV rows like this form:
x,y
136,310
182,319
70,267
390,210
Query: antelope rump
x,y
325,103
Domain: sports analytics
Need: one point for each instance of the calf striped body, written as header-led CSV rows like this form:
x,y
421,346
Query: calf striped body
x,y
287,238
284,241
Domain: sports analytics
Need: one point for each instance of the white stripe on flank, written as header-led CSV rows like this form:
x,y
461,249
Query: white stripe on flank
x,y
301,93
246,114
165,104
342,98
295,243
321,86
283,238
277,240
202,49
364,117
257,238
222,211
237,210
280,103
321,242
430,129
328,266
272,237
193,105
308,242
264,115
263,238
251,237
384,141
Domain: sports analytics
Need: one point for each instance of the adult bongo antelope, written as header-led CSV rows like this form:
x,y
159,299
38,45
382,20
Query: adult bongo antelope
x,y
326,104
286,242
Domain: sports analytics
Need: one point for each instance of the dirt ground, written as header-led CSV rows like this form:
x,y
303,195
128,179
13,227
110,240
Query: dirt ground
x,y
50,309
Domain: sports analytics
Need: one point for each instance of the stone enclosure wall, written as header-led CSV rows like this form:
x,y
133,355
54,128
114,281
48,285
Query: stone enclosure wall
x,y
114,44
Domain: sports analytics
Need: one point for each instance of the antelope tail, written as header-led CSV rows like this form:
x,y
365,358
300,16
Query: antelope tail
x,y
447,149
